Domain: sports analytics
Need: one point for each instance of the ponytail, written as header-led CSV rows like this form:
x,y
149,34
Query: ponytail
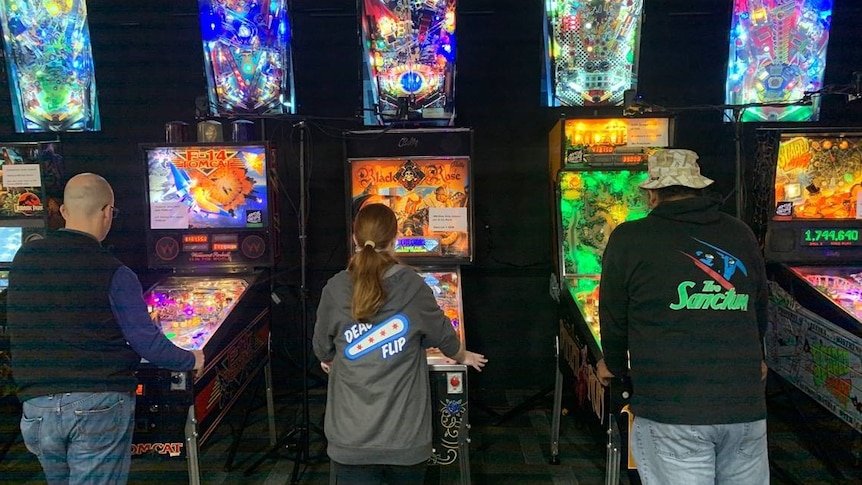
x,y
376,225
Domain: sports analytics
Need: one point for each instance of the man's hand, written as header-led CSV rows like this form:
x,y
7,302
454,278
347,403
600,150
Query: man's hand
x,y
603,373
199,362
326,366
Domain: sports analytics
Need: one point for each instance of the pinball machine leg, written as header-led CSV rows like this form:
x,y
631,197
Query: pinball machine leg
x,y
191,431
270,406
558,406
612,470
464,450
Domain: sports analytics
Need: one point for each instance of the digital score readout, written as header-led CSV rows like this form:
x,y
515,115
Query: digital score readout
x,y
830,236
196,242
225,242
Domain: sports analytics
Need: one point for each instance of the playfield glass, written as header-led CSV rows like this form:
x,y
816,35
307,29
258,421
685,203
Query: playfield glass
x,y
591,51
50,65
247,56
819,176
190,310
446,286
592,205
430,198
408,58
777,54
207,186
842,285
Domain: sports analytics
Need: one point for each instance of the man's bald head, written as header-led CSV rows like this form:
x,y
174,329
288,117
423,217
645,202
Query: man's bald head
x,y
85,199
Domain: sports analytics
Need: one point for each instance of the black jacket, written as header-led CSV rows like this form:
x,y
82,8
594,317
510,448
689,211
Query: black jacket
x,y
64,337
684,292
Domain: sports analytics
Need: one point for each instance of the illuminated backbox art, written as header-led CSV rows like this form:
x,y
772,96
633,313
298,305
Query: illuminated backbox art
x,y
247,56
591,50
818,177
614,140
429,196
207,186
446,286
592,205
190,310
50,65
777,54
408,54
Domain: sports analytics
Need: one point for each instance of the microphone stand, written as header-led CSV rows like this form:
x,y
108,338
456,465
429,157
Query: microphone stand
x,y
298,436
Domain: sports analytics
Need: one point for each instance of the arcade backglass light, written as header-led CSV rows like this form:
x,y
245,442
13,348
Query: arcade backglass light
x,y
210,226
247,56
591,51
50,65
424,176
814,254
408,60
777,54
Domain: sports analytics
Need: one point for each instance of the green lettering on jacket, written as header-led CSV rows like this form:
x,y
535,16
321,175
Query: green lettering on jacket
x,y
727,300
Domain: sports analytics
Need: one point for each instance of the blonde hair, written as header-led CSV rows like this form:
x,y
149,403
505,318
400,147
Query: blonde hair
x,y
374,228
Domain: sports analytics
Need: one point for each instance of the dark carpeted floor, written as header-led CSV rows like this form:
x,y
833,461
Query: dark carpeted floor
x,y
510,445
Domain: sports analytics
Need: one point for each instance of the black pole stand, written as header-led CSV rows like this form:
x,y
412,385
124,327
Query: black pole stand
x,y
297,439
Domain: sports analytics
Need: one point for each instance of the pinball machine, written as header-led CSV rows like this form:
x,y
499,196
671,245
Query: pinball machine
x,y
596,165
813,251
210,236
424,176
31,189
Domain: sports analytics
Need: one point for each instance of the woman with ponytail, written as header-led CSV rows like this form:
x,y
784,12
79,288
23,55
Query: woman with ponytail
x,y
375,321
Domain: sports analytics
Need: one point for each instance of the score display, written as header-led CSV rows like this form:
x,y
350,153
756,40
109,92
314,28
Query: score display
x,y
829,236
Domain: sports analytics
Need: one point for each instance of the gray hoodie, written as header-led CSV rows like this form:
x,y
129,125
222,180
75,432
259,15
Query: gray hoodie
x,y
378,407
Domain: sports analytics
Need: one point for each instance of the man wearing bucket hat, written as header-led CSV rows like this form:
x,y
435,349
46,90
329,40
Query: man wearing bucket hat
x,y
683,310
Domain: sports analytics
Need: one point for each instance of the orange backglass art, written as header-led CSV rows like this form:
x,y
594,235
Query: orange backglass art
x,y
818,177
430,197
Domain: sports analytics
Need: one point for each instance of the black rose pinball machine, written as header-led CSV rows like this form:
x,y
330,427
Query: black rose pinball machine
x,y
423,175
210,233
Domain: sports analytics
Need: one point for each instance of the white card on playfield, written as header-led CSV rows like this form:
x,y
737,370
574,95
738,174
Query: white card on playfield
x,y
447,219
169,215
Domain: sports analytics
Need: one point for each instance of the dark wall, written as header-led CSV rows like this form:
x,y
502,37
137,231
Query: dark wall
x,y
149,71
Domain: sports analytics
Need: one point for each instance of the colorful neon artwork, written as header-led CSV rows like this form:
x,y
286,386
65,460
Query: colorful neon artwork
x,y
446,286
408,59
189,311
592,205
50,65
429,196
819,176
591,51
247,56
207,186
777,54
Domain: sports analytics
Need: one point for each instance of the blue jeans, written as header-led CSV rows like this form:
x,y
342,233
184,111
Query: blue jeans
x,y
722,454
81,437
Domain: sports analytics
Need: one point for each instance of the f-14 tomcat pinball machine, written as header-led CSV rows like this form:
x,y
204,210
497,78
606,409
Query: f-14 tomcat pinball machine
x,y
209,226
813,250
424,176
596,165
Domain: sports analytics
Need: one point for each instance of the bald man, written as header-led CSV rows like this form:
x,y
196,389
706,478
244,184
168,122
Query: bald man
x,y
79,327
